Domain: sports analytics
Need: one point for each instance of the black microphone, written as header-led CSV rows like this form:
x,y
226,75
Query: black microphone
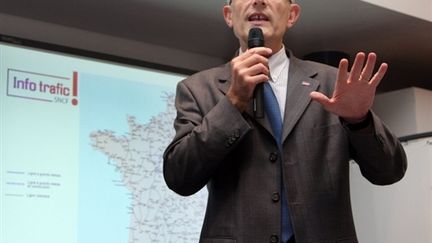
x,y
256,39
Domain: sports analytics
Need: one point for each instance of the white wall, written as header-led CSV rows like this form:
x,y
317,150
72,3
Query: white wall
x,y
399,213
417,8
406,111
423,99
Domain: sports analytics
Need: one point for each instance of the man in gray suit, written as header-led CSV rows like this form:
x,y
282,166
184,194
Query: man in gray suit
x,y
278,185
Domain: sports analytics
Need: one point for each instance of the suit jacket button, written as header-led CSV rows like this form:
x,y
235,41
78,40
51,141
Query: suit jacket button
x,y
275,197
274,239
237,133
227,144
273,157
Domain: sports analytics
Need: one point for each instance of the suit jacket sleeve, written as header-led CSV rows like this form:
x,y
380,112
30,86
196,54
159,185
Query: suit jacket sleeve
x,y
204,137
379,154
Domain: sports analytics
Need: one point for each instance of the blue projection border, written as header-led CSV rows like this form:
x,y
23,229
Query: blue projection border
x,y
92,54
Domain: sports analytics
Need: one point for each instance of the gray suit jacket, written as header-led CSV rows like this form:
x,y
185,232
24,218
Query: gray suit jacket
x,y
237,157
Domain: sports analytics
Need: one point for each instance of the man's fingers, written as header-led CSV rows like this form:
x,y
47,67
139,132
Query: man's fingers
x,y
257,70
250,58
376,79
262,51
342,74
252,66
320,98
249,61
369,67
357,67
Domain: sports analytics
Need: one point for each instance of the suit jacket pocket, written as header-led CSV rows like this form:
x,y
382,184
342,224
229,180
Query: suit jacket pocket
x,y
217,240
326,130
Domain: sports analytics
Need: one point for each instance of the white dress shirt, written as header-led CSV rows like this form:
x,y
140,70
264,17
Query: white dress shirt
x,y
279,67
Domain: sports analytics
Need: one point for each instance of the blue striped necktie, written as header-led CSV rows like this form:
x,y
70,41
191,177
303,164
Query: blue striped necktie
x,y
271,107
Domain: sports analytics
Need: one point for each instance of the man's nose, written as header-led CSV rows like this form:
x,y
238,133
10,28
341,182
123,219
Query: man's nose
x,y
259,2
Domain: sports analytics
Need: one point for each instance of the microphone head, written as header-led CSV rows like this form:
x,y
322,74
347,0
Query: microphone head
x,y
255,38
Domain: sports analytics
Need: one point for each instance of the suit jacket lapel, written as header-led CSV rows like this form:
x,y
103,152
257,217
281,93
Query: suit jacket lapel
x,y
300,85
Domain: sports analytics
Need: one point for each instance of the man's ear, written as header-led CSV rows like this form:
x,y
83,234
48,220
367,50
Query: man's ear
x,y
227,13
294,14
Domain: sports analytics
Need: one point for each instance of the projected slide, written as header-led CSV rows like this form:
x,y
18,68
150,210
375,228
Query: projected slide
x,y
81,146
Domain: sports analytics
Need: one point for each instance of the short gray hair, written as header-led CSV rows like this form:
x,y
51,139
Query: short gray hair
x,y
228,2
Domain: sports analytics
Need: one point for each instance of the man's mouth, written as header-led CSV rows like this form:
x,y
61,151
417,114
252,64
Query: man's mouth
x,y
258,17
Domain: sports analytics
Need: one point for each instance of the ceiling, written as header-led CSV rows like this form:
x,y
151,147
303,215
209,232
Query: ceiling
x,y
197,26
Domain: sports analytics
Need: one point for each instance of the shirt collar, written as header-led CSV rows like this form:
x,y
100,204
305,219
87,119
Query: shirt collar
x,y
277,63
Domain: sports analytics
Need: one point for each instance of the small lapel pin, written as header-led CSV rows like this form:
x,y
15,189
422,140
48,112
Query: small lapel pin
x,y
304,83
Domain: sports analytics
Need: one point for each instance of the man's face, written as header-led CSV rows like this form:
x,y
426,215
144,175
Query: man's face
x,y
272,16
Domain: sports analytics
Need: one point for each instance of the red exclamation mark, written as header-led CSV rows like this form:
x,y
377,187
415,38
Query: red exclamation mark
x,y
75,88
